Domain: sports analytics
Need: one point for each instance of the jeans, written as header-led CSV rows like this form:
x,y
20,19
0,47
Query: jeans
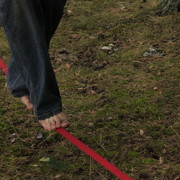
x,y
29,26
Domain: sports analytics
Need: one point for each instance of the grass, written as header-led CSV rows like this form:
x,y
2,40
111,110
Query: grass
x,y
127,110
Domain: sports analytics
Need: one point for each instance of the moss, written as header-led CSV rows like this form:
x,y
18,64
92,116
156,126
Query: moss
x,y
133,154
126,95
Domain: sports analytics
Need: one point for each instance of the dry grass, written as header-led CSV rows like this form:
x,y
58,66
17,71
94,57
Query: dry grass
x,y
126,109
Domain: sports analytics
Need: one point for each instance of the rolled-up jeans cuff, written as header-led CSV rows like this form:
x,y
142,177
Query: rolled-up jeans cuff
x,y
49,114
20,94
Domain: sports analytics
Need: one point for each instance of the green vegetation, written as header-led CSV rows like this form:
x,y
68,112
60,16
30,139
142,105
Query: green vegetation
x,y
120,103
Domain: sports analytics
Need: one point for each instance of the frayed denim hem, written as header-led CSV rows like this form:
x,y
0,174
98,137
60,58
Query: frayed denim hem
x,y
20,94
50,114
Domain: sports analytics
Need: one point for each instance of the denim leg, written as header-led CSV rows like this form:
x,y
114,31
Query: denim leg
x,y
24,25
52,13
15,81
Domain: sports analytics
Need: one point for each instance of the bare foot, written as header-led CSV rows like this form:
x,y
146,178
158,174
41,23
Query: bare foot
x,y
54,122
26,101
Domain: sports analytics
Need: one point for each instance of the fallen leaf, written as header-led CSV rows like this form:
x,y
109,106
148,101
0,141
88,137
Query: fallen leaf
x,y
93,92
13,140
159,92
141,132
90,124
67,66
155,88
45,159
164,151
161,160
57,176
14,134
69,11
109,119
111,45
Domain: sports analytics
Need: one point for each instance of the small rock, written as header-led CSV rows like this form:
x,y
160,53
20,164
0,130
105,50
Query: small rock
x,y
152,52
39,136
106,48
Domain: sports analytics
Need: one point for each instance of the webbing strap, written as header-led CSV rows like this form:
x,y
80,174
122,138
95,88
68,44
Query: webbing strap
x,y
81,145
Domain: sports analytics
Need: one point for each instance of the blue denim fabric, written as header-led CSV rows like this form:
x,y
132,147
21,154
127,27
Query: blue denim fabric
x,y
29,26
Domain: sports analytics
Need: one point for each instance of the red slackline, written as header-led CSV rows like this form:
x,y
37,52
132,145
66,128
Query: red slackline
x,y
3,67
114,170
93,154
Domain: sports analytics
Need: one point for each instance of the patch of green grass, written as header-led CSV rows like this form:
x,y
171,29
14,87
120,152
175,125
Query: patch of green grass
x,y
130,98
133,154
